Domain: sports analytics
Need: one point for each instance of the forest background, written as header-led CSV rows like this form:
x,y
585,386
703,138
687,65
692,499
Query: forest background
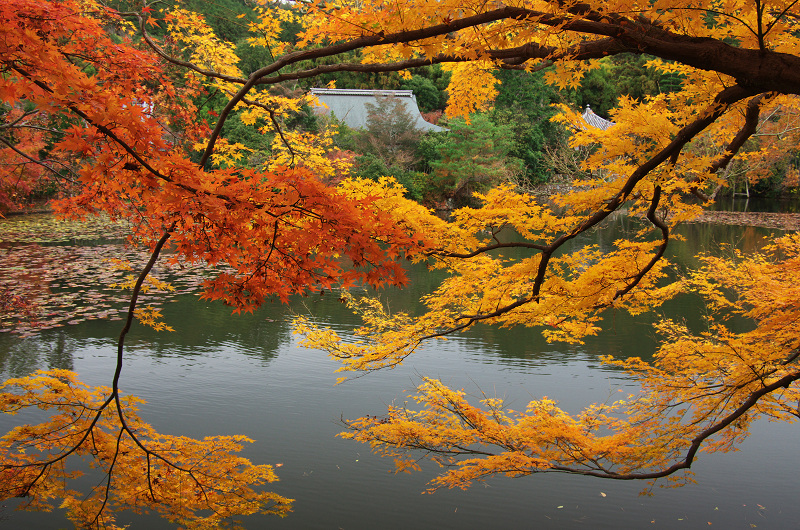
x,y
513,139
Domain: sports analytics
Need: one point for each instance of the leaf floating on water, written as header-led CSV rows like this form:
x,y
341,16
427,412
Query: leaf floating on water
x,y
59,284
48,229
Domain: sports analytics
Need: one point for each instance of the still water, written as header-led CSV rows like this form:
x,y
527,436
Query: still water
x,y
224,374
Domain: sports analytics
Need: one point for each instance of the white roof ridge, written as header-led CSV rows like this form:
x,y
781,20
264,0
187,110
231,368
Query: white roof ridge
x,y
361,92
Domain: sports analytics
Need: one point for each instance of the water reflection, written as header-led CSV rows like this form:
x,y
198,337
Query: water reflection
x,y
756,204
202,327
19,358
224,374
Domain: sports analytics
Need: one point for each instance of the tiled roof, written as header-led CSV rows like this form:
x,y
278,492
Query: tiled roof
x,y
594,120
349,105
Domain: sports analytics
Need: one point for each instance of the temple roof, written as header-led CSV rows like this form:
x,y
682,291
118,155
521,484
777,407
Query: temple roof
x,y
594,120
349,105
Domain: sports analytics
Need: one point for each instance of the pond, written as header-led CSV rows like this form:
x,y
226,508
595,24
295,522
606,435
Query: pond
x,y
224,374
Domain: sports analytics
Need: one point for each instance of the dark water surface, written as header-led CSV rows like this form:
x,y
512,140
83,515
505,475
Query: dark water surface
x,y
223,374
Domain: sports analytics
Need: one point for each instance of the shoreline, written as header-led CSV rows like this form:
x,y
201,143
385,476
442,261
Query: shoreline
x,y
775,220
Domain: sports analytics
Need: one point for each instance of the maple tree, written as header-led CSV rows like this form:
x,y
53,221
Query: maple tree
x,y
146,154
736,63
134,131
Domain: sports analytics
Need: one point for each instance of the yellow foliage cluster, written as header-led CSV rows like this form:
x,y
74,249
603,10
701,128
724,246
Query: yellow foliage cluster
x,y
197,484
191,33
661,155
481,286
266,30
150,316
704,388
471,88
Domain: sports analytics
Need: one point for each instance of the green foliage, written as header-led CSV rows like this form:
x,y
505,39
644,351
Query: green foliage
x,y
472,157
524,105
428,149
429,85
429,98
597,91
622,75
630,77
222,16
249,136
251,58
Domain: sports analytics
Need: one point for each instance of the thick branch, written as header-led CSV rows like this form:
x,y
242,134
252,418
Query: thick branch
x,y
752,115
508,57
722,102
698,440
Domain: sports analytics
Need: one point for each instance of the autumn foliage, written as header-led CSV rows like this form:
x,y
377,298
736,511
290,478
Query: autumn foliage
x,y
135,140
133,132
664,157
197,483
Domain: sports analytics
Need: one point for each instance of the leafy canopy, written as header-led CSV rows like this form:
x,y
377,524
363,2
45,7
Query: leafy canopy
x,y
142,150
735,71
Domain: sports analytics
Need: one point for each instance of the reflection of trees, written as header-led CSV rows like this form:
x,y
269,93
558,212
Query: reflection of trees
x,y
707,238
22,357
197,483
202,327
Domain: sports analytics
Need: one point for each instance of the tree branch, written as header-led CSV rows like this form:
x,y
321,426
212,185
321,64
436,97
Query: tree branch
x,y
752,115
37,162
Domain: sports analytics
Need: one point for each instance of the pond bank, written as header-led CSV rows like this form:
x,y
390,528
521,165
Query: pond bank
x,y
778,221
774,220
